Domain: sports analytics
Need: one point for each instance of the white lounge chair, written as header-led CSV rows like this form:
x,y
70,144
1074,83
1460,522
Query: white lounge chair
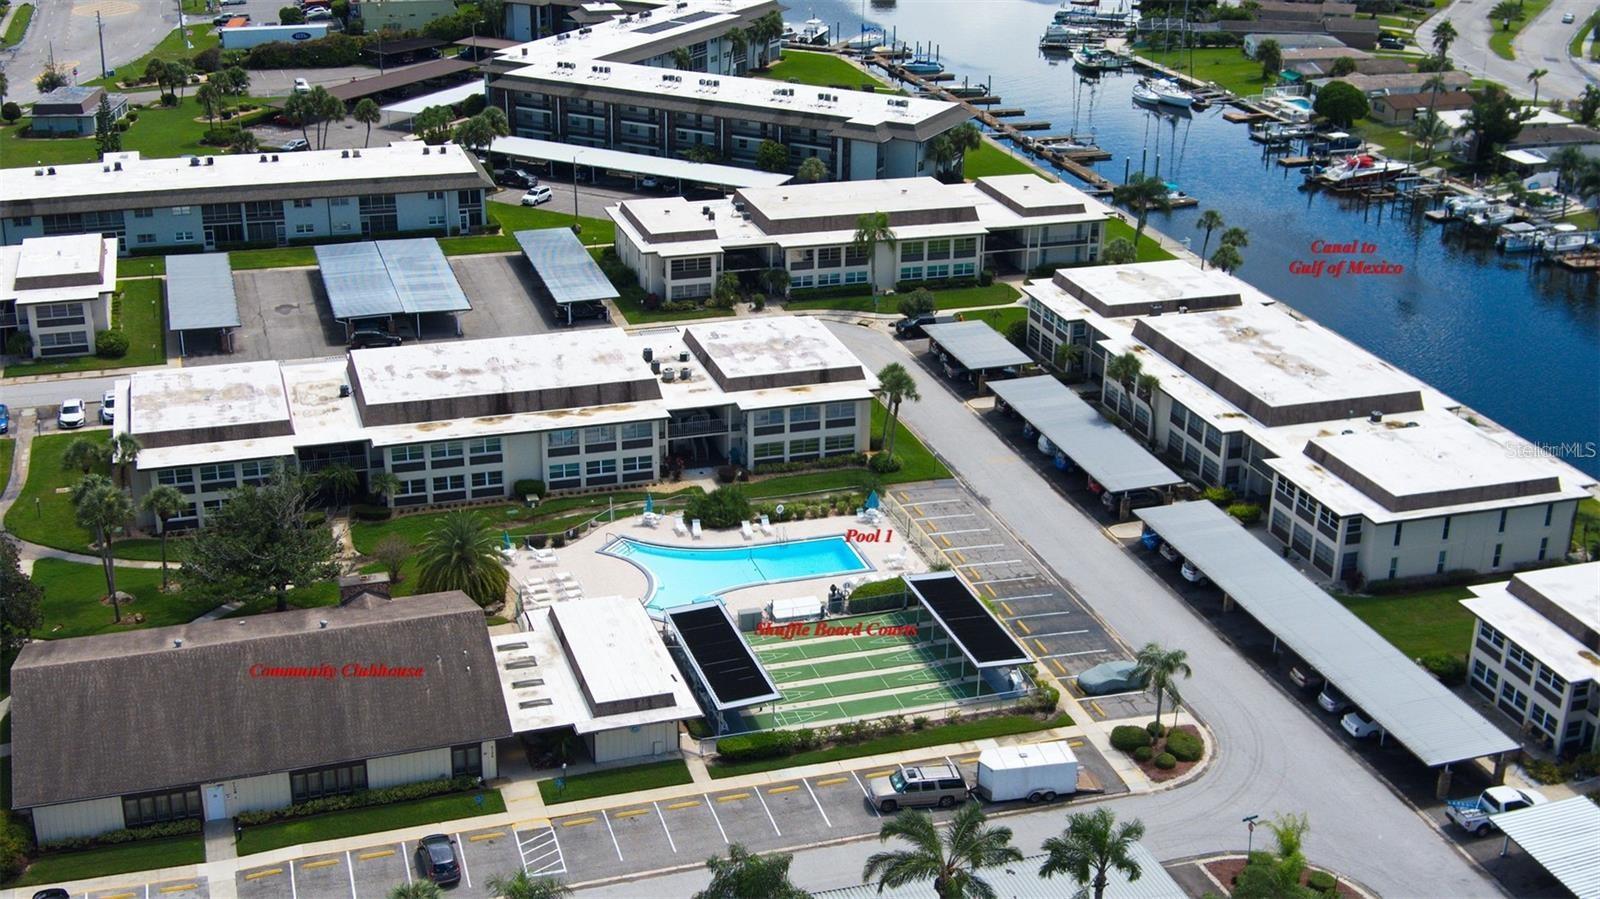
x,y
766,526
744,530
694,528
895,562
649,519
544,558
678,526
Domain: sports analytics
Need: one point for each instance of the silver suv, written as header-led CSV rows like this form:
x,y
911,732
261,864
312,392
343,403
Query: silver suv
x,y
939,785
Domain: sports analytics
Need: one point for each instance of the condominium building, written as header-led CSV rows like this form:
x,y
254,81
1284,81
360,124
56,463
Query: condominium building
x,y
1006,223
1363,470
1536,653
255,199
463,421
57,290
619,85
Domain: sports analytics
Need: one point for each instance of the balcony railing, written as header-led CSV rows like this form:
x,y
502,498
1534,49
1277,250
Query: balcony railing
x,y
698,427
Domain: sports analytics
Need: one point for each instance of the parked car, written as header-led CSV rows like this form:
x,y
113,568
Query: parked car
x,y
233,2
5,419
1304,676
71,415
108,407
537,196
301,86
227,17
649,183
52,893
1170,553
1358,725
1474,814
1567,19
940,785
1152,540
366,340
1191,573
295,146
910,327
317,14
518,178
436,859
1391,43
1332,700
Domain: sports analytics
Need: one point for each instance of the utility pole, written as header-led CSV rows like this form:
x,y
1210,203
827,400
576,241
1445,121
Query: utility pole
x,y
182,29
100,31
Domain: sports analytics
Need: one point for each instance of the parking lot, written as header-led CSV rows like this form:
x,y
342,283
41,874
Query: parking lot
x,y
371,872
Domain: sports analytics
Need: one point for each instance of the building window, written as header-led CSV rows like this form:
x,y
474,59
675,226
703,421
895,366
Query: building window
x,y
1439,567
405,458
600,466
415,487
302,204
1549,510
766,452
855,277
563,443
255,473
855,256
340,201
692,268
1496,562
911,251
911,273
1446,534
1502,528
1484,674
181,478
1398,527
488,484
1555,682
839,445
938,249
767,421
156,808
805,418
466,761
183,237
436,221
445,455
804,449
636,434
1544,547
841,415
1519,657
218,477
436,195
600,439
1352,530
449,484
636,463
305,229
830,257
1510,695
484,450
22,221
1489,635
563,472
337,780
181,210
146,238
963,247
1543,719
1394,566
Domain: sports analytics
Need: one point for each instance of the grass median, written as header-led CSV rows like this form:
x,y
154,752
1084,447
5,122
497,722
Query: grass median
x,y
632,779
123,858
960,732
18,26
375,819
991,159
8,450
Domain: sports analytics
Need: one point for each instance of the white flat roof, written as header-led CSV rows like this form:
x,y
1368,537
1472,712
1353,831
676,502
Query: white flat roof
x,y
604,638
1562,837
429,371
205,396
1148,282
636,163
175,173
1407,461
754,347
645,34
891,195
447,97
74,256
1553,647
1574,588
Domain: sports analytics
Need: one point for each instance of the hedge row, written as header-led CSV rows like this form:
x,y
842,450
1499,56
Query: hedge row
x,y
851,460
362,799
126,835
765,744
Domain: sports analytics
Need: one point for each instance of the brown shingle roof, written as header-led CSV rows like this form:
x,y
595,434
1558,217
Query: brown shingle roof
x,y
125,713
1445,100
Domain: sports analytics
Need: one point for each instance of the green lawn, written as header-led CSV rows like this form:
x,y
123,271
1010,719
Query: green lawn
x,y
1575,48
18,26
992,159
632,779
917,463
171,47
1500,40
516,518
1394,139
144,855
1418,623
142,266
953,298
8,449
138,313
959,732
72,606
274,257
333,826
1585,529
1225,66
1150,249
158,132
50,521
821,69
999,319
514,218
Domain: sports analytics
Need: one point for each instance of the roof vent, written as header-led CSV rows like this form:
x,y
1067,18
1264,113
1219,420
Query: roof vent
x,y
263,158
51,170
344,390
1375,416
211,160
274,157
1347,431
322,623
683,355
38,171
344,154
1183,310
116,166
357,153
105,168
705,210
426,149
177,642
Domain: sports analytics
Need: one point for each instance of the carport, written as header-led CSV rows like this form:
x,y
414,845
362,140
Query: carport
x,y
974,347
200,297
986,644
385,278
726,673
1400,695
1084,437
400,79
681,170
565,269
1562,837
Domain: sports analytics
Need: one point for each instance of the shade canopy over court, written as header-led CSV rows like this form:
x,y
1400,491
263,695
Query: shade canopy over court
x,y
377,279
563,266
1110,456
1413,707
984,641
722,661
635,163
1561,836
200,295
975,346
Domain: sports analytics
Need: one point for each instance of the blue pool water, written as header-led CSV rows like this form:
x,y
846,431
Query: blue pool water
x,y
679,575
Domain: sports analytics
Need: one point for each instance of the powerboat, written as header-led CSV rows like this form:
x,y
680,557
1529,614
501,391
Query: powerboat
x,y
1361,169
1463,206
1065,37
1564,238
923,66
1519,237
814,31
1097,59
1492,216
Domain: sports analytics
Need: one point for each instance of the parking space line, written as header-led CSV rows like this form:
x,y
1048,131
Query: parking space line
x,y
480,837
577,822
614,843
1003,580
1068,655
1035,596
787,788
945,540
994,562
294,891
968,531
819,804
870,804
689,804
956,554
1023,625
381,853
1120,695
180,887
970,759
712,808
350,869
1074,743
769,813
670,841
831,781
461,853
633,813
986,546
405,860
942,517
1063,633
320,863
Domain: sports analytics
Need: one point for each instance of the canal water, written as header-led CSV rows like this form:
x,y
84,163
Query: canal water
x,y
1517,342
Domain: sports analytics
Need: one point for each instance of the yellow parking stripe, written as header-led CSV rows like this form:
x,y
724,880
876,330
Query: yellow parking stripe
x,y
1007,607
1096,706
575,822
1059,667
119,896
970,759
476,838
1024,626
731,797
832,780
1042,650
884,773
324,863
631,813
945,540
786,789
1074,743
381,853
257,875
677,805
180,888
990,590
959,557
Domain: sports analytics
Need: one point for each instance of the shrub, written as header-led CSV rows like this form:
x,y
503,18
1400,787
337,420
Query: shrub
x,y
208,60
111,344
1321,881
169,100
558,540
1185,746
1154,729
316,518
884,463
473,105
919,723
766,744
1544,771
697,728
1144,753
986,277
15,841
882,602
758,302
133,116
1222,496
10,111
1046,698
805,738
846,461
371,512
723,507
1166,762
362,799
1128,737
528,487
20,343
1246,513
538,540
126,835
1449,667
727,474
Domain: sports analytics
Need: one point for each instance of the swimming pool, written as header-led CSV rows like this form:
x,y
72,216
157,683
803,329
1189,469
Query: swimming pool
x,y
679,575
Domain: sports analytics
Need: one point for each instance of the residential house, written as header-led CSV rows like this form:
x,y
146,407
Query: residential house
x,y
73,110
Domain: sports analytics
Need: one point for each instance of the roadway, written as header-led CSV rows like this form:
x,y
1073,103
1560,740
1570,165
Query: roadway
x,y
67,27
1541,44
1273,756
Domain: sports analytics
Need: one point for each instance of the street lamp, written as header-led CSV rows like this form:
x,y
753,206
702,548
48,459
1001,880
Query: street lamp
x,y
1250,834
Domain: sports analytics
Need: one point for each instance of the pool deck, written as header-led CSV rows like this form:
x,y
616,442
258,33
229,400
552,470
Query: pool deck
x,y
603,575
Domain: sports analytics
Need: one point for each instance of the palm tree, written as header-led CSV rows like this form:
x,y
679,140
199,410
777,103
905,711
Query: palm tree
x,y
210,98
1430,129
764,31
775,281
895,385
965,137
339,480
682,59
416,889
1092,845
103,509
460,554
383,483
1142,193
1209,221
329,109
745,874
1124,369
1567,160
300,112
367,112
811,171
1119,251
1534,76
522,885
739,42
1238,238
1226,258
1159,668
952,863
83,454
164,502
1146,384
1443,37
942,152
122,452
1068,355
872,228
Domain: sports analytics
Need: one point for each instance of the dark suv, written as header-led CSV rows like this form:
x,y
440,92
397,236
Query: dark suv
x,y
437,861
911,326
365,340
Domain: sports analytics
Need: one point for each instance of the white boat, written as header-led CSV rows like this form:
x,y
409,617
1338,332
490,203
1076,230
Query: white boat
x,y
865,41
1361,169
1492,216
1564,238
1519,237
1167,91
1144,93
1462,206
1097,59
1065,37
814,31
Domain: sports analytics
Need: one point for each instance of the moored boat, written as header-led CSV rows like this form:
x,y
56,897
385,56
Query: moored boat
x,y
1519,237
1097,59
1144,93
1361,169
1492,216
923,66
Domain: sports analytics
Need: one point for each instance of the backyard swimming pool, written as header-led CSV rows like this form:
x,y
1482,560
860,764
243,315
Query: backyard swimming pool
x,y
679,575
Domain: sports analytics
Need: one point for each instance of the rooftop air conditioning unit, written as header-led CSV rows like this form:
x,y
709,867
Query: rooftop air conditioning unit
x,y
357,153
211,160
1183,310
345,154
683,373
116,166
194,161
263,158
667,375
649,354
274,157
344,391
51,170
655,367
1375,416
683,355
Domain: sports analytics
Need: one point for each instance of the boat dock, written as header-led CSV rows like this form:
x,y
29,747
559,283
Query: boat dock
x,y
1005,112
1031,126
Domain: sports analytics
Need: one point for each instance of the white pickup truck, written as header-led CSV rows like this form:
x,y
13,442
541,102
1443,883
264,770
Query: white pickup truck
x,y
1473,814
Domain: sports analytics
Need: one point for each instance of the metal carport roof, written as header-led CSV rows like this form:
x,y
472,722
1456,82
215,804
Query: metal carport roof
x,y
564,266
389,277
200,292
1398,693
975,345
422,276
1110,456
984,641
1562,836
636,163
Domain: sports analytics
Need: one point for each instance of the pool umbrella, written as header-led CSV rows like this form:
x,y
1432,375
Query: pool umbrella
x,y
872,500
505,539
649,504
